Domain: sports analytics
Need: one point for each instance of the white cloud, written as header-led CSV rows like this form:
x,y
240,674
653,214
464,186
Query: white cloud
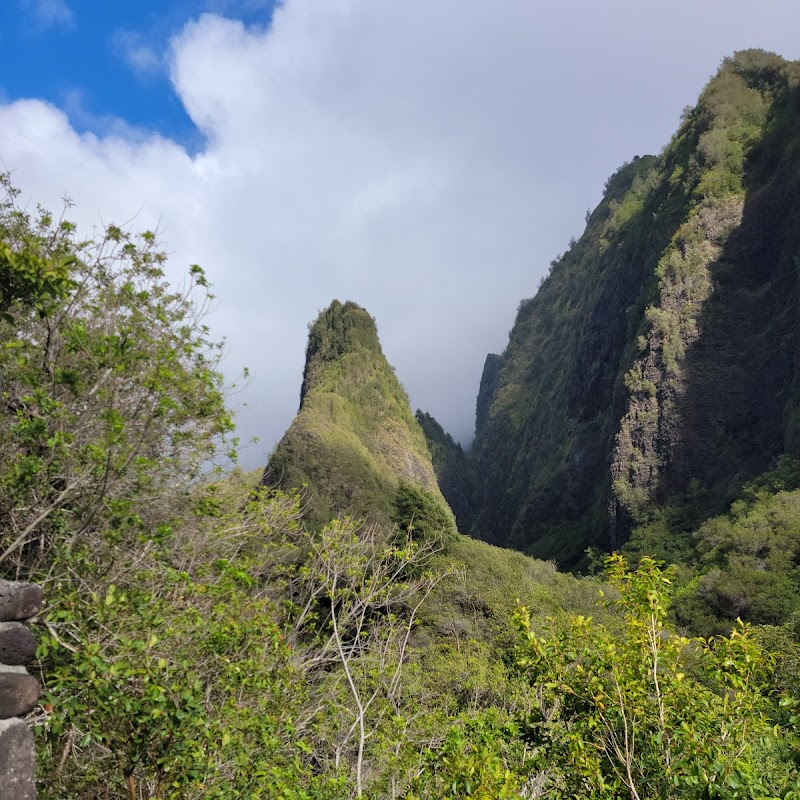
x,y
142,56
425,159
50,13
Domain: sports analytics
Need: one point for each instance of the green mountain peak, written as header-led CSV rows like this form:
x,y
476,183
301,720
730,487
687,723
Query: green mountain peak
x,y
355,442
341,329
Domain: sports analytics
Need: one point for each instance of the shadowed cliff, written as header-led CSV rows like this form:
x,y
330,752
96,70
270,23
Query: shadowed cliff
x,y
657,362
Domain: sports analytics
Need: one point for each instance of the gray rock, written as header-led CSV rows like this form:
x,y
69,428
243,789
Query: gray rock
x,y
17,643
19,600
18,692
17,761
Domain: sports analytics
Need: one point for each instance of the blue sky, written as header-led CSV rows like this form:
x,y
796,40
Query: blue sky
x,y
424,158
102,60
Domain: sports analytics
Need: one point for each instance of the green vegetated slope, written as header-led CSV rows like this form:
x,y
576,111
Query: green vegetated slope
x,y
455,471
656,363
355,440
468,620
743,564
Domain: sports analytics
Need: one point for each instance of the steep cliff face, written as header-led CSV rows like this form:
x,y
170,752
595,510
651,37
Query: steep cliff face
x,y
354,440
486,391
658,361
543,447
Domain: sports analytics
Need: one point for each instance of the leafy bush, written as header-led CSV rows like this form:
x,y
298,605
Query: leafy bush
x,y
644,712
111,401
421,514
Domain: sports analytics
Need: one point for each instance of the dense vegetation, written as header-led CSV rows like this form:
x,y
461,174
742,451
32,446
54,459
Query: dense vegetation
x,y
322,631
354,440
455,471
201,639
634,378
741,564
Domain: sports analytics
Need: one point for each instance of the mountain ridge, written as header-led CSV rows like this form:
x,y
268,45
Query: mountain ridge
x,y
588,428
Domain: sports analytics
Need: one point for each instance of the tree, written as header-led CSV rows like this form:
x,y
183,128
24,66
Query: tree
x,y
645,713
354,602
111,405
110,399
27,277
421,514
473,762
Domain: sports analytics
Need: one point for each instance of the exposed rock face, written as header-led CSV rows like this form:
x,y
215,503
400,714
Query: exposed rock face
x,y
354,439
658,380
660,357
717,402
491,370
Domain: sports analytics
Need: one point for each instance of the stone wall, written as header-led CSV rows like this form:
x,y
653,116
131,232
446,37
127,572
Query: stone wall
x,y
19,691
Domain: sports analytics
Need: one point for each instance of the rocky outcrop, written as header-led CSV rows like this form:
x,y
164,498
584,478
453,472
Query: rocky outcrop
x,y
658,380
488,386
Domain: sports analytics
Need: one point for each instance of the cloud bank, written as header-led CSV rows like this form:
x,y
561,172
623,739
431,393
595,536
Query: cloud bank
x,y
426,159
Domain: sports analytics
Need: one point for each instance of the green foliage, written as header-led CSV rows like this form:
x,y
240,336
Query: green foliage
x,y
24,278
110,392
422,514
455,471
33,271
740,564
472,762
177,682
270,665
354,439
465,640
644,712
478,601
340,329
748,560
